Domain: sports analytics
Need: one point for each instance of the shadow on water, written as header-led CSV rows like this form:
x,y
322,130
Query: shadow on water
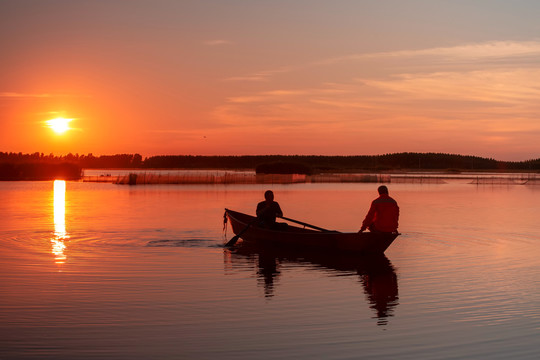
x,y
375,273
182,243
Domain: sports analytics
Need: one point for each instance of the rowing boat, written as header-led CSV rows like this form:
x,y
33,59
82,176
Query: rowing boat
x,y
246,227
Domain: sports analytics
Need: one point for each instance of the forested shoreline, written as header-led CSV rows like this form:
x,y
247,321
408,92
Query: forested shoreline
x,y
37,166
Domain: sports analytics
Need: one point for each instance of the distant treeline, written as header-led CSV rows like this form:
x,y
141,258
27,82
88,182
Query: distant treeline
x,y
37,166
40,166
399,161
121,161
39,171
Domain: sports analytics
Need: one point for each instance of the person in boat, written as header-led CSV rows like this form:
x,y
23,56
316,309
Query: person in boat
x,y
268,210
383,215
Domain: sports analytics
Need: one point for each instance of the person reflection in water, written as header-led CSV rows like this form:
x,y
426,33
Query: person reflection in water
x,y
383,214
376,273
268,210
381,286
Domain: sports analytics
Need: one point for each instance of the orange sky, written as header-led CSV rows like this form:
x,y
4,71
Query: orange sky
x,y
271,77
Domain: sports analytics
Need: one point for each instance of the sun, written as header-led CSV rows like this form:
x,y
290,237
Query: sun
x,y
59,125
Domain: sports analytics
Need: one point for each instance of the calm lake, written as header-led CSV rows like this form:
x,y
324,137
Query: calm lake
x,y
103,271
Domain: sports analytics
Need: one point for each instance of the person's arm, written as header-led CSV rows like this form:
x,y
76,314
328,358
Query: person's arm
x,y
279,213
260,209
397,216
370,216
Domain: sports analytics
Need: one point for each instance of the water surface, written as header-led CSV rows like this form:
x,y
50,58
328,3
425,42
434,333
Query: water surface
x,y
93,270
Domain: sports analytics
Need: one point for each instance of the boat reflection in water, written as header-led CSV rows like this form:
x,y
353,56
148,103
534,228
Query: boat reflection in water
x,y
375,271
60,234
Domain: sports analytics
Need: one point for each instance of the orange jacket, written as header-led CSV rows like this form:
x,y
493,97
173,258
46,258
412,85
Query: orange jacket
x,y
383,214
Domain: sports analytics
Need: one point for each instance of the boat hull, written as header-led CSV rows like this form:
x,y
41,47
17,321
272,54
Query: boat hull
x,y
294,236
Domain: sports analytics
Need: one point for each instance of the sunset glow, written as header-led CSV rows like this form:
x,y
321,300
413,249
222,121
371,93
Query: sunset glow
x,y
59,125
345,78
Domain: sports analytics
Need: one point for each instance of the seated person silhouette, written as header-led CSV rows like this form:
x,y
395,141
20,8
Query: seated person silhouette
x,y
267,212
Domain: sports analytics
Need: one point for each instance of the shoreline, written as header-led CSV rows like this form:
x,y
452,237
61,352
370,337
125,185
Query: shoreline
x,y
217,176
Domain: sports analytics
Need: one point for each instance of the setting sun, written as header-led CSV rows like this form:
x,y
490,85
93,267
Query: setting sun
x,y
59,125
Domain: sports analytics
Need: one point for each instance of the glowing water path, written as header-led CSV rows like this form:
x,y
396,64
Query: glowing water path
x,y
60,234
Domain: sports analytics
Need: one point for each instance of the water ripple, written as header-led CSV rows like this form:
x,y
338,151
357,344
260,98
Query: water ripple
x,y
181,243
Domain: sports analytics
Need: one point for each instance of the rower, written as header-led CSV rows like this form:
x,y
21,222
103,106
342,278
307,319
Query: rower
x,y
383,214
268,210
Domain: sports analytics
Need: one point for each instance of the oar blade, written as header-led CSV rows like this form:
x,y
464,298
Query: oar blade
x,y
233,241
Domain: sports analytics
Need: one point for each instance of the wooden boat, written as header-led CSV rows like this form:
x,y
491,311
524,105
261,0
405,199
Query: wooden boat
x,y
246,227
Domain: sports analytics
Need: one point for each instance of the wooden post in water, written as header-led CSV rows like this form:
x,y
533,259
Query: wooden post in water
x,y
132,179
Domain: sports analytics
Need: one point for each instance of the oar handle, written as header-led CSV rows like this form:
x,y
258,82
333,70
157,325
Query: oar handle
x,y
306,224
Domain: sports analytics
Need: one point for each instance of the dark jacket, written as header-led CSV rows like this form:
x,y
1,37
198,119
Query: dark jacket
x,y
267,212
383,214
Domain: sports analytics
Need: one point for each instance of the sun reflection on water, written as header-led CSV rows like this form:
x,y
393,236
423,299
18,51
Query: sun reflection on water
x,y
60,234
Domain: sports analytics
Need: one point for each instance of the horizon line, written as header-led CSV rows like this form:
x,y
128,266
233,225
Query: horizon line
x,y
268,155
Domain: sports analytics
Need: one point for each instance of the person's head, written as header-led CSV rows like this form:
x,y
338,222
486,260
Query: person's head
x,y
269,195
382,190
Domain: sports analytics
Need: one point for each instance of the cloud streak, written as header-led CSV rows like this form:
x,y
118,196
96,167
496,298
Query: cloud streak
x,y
16,95
495,53
217,42
480,93
466,52
21,95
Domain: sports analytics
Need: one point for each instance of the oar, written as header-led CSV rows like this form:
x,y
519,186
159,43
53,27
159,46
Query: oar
x,y
305,224
237,236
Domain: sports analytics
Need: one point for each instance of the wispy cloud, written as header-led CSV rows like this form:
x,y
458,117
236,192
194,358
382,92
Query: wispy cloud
x,y
264,75
252,77
472,51
472,87
21,95
474,55
18,95
217,42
